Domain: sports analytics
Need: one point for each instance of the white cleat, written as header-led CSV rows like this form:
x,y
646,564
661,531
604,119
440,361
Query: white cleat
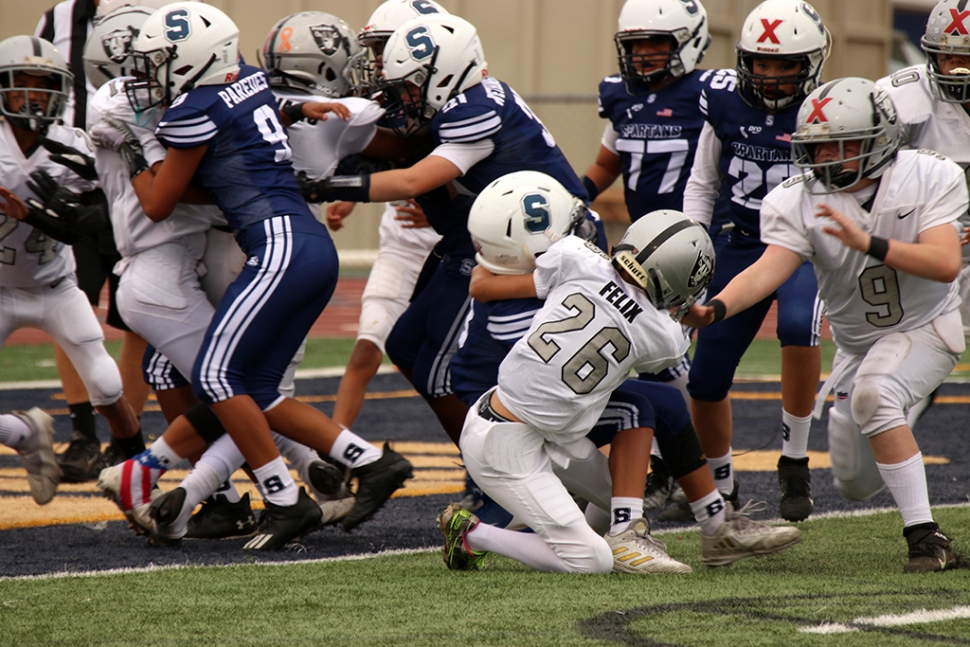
x,y
740,536
336,509
37,455
135,508
637,551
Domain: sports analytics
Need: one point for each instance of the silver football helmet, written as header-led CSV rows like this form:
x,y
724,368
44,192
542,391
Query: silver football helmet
x,y
789,30
669,255
427,62
850,109
107,53
948,32
314,52
27,56
683,24
181,46
517,217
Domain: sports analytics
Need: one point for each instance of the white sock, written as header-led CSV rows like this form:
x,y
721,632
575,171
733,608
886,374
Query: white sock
x,y
223,458
794,432
623,511
13,430
201,483
526,547
228,490
353,451
276,483
709,511
164,455
907,483
300,457
723,472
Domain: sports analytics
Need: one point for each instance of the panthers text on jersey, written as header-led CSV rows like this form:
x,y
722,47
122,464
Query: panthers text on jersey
x,y
752,151
592,331
28,258
867,299
655,137
247,166
492,112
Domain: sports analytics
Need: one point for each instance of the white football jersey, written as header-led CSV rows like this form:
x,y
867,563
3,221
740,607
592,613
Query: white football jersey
x,y
28,258
419,240
592,331
133,231
865,298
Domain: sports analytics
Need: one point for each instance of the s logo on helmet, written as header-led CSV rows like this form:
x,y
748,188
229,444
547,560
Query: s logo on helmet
x,y
536,209
420,44
177,26
423,7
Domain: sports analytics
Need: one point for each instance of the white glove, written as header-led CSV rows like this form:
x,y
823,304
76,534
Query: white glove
x,y
105,135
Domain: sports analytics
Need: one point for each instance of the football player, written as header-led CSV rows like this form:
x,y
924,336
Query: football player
x,y
435,76
601,317
744,152
881,229
42,206
222,128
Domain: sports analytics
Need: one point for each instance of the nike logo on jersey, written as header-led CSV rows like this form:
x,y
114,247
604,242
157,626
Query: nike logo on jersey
x,y
620,300
904,215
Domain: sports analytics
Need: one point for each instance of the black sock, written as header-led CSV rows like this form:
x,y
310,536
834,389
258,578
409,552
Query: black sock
x,y
130,446
82,419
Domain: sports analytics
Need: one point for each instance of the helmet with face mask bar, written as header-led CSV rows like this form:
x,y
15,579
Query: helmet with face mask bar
x,y
669,256
783,30
31,56
682,22
948,32
850,109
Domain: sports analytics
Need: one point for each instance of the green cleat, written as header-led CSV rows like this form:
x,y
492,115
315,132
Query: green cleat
x,y
456,522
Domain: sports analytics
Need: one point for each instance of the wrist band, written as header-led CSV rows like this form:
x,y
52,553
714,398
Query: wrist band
x,y
294,111
878,248
720,310
590,187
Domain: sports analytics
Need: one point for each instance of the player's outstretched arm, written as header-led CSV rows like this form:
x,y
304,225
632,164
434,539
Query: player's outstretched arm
x,y
485,286
160,188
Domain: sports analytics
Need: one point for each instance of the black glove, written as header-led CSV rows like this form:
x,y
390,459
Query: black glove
x,y
53,197
131,150
346,188
72,158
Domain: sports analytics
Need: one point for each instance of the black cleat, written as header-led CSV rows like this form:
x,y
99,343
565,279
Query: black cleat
x,y
279,524
660,485
81,461
929,549
326,478
165,511
113,455
376,482
796,489
219,519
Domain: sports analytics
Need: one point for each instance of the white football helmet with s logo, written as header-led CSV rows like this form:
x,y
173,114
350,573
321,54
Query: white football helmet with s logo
x,y
789,30
669,255
428,61
312,51
106,7
683,22
517,217
28,55
182,46
948,32
850,109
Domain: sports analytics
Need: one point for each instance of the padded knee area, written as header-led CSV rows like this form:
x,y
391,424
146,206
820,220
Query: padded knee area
x,y
101,377
865,399
884,358
853,465
205,422
683,453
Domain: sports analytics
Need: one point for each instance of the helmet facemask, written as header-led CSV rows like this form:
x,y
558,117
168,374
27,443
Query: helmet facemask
x,y
672,66
765,92
405,100
948,33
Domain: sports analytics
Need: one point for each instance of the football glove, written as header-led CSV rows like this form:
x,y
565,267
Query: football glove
x,y
72,158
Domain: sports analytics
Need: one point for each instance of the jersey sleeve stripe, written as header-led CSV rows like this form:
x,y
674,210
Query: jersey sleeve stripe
x,y
472,133
516,317
187,121
470,120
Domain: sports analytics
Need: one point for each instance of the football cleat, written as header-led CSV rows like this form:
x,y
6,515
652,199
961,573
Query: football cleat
x,y
281,524
929,549
680,512
325,478
660,485
336,509
113,455
796,489
376,482
219,519
741,536
81,461
165,512
125,484
37,455
455,522
636,551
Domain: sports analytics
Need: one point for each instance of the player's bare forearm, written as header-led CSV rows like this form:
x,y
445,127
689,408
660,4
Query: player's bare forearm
x,y
160,188
403,184
936,256
759,280
485,286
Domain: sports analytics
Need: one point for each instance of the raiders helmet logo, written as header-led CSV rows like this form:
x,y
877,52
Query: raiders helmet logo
x,y
327,38
700,274
117,44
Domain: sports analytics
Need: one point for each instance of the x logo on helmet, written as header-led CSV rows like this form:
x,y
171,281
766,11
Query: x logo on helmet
x,y
770,27
818,116
956,23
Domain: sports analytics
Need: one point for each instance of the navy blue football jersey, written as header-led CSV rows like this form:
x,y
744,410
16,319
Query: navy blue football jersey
x,y
656,139
755,147
247,166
